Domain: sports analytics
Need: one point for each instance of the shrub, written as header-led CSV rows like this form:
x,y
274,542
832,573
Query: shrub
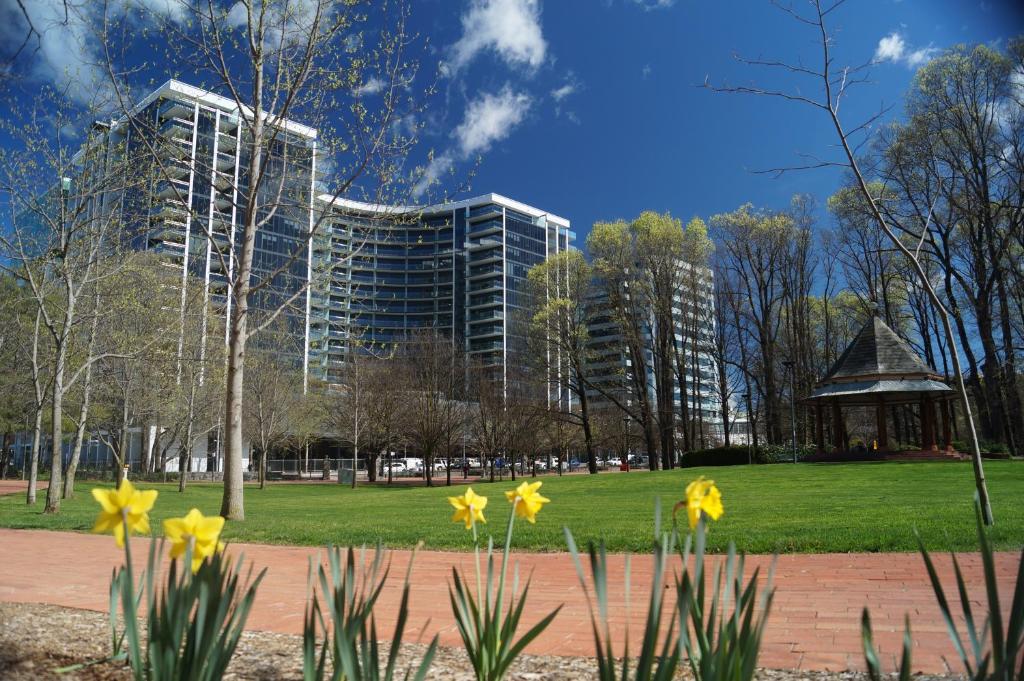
x,y
740,455
734,455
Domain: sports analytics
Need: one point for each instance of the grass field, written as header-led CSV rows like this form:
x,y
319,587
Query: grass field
x,y
805,508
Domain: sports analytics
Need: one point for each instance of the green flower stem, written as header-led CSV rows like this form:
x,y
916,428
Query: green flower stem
x,y
504,559
127,547
476,555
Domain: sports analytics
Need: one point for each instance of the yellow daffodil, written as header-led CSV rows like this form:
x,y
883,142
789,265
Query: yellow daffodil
x,y
469,508
123,506
526,501
202,532
702,496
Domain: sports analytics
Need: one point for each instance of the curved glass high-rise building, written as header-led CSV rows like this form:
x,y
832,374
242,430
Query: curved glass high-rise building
x,y
382,272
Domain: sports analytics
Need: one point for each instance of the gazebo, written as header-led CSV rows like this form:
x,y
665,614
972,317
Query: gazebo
x,y
880,370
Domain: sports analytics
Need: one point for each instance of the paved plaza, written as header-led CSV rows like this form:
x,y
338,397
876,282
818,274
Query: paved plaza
x,y
814,623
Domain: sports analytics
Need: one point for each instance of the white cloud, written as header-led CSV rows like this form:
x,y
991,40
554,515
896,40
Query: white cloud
x,y
648,5
372,86
921,56
238,16
491,119
510,27
432,174
65,51
560,93
894,48
890,48
645,72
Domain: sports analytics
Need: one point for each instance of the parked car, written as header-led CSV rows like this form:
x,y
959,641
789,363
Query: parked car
x,y
397,468
614,462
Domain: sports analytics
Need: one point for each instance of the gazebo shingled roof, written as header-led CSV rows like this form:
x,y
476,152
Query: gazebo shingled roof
x,y
877,350
878,363
879,369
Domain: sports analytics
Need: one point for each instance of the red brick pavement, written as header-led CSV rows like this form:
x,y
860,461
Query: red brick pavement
x,y
19,486
814,623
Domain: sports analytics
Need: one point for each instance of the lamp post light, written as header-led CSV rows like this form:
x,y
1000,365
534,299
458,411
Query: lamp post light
x,y
792,400
750,433
624,465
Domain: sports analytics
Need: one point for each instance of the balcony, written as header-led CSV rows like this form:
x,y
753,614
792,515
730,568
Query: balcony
x,y
228,122
485,229
481,213
486,330
492,314
225,161
175,169
486,345
222,202
483,301
175,129
482,244
171,189
169,210
174,109
222,181
485,285
486,271
173,149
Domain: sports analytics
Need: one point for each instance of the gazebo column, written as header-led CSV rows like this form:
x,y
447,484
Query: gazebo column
x,y
927,425
883,426
819,427
947,431
837,427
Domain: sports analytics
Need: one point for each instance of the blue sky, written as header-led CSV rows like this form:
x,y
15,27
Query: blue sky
x,y
596,111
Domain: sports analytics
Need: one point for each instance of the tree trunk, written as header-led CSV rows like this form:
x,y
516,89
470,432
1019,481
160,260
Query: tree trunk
x,y
185,458
588,435
261,467
232,505
33,466
5,455
54,490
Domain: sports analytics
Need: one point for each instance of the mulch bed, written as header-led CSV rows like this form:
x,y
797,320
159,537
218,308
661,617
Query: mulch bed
x,y
37,639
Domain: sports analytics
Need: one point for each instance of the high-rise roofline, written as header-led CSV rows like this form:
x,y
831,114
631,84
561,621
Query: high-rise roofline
x,y
394,210
176,87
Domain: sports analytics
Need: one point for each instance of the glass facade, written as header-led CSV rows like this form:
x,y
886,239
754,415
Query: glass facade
x,y
190,209
459,268
610,357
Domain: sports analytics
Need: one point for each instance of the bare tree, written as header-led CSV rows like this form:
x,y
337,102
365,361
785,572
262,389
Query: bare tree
x,y
834,84
64,223
433,376
274,397
319,63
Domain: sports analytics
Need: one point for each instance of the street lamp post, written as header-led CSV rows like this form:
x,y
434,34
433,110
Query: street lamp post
x,y
746,403
624,465
792,400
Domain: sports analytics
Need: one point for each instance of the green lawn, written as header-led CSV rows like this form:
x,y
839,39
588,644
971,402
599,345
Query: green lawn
x,y
805,508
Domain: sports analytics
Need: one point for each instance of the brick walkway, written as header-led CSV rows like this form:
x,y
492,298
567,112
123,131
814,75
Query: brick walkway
x,y
19,486
814,624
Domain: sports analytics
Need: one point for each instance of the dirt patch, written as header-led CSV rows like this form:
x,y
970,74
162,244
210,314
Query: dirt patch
x,y
35,640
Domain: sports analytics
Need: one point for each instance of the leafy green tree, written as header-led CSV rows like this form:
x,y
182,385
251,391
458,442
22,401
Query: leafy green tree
x,y
560,290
